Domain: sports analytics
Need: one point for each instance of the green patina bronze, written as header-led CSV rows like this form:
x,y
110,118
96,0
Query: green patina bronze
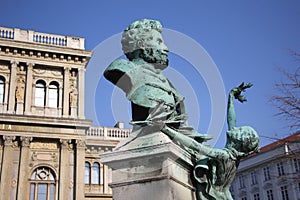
x,y
154,100
158,106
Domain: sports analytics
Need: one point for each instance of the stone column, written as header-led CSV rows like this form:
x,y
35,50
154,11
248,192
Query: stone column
x,y
12,88
66,92
1,153
28,93
81,72
60,100
80,160
23,186
5,103
7,168
64,168
47,110
105,179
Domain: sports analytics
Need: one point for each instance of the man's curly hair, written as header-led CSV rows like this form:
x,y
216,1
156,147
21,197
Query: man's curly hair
x,y
137,31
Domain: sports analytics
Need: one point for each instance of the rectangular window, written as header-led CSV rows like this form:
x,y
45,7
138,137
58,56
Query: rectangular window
x,y
253,178
52,192
31,191
256,196
284,193
280,169
270,195
297,165
53,98
1,91
39,97
267,173
42,192
242,181
244,198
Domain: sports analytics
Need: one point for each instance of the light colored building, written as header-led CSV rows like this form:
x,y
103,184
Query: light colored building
x,y
47,148
272,174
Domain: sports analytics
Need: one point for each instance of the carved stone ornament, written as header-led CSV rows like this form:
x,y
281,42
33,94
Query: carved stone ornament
x,y
42,145
65,143
9,140
25,141
44,156
14,183
20,90
39,71
4,68
56,73
80,143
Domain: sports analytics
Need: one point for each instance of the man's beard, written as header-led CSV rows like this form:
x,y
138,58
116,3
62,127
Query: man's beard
x,y
157,57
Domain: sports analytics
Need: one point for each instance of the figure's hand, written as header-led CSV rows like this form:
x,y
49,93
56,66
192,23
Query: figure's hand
x,y
236,91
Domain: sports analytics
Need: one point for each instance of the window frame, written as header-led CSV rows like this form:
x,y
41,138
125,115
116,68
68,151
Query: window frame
x,y
43,176
2,88
53,91
40,93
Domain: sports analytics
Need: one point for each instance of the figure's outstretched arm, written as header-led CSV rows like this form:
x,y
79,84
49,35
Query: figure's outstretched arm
x,y
192,146
235,93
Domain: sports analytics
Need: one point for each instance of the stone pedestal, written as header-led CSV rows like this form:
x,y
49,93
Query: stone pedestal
x,y
20,108
73,111
150,167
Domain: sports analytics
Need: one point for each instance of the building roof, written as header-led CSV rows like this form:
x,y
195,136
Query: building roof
x,y
280,142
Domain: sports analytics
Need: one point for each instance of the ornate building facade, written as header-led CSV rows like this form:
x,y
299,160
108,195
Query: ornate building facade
x,y
271,174
48,150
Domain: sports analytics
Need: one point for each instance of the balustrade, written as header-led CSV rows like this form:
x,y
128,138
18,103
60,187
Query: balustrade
x,y
108,133
42,38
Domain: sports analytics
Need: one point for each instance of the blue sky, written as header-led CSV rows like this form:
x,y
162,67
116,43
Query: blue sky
x,y
246,40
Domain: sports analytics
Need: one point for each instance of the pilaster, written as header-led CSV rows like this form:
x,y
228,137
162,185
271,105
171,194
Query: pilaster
x,y
12,88
7,182
64,181
1,154
23,185
81,72
60,101
80,157
105,179
5,104
28,93
66,92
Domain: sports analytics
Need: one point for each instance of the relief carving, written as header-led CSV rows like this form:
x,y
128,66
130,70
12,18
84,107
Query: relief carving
x,y
4,68
41,145
73,89
25,141
56,73
44,156
20,89
65,143
39,71
9,140
80,143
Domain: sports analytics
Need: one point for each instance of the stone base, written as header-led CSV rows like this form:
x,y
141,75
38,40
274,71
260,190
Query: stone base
x,y
150,167
19,110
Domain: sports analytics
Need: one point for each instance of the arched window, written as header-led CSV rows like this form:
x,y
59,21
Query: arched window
x,y
2,89
42,184
53,95
87,173
96,173
40,93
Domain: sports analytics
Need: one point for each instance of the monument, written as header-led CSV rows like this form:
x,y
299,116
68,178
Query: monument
x,y
164,158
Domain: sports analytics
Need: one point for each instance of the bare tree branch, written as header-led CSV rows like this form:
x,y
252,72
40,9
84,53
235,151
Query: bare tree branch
x,y
287,99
